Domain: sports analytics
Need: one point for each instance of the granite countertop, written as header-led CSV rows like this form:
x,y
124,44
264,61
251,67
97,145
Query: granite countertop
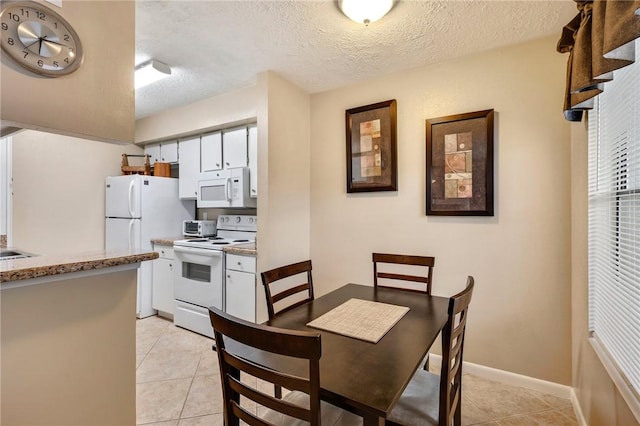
x,y
248,249
47,265
167,241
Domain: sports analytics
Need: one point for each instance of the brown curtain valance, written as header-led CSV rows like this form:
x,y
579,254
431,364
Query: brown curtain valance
x,y
600,39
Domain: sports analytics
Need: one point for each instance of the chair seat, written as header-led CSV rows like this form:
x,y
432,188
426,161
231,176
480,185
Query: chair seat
x,y
418,404
330,414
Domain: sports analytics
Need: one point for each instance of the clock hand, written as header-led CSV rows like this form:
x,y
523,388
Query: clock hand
x,y
28,46
53,42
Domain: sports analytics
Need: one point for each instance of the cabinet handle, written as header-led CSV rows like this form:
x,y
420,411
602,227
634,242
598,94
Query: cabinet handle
x,y
217,164
227,163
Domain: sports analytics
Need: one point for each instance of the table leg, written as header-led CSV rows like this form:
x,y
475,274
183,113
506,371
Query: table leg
x,y
370,419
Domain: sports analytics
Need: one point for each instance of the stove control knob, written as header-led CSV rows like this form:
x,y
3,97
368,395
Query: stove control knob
x,y
250,220
238,219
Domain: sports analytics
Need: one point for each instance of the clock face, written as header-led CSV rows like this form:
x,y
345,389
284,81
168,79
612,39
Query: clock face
x,y
39,39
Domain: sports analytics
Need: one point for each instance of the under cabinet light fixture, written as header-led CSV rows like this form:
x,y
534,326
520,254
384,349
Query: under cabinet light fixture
x,y
150,71
365,11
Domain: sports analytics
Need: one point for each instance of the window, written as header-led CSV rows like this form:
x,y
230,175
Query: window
x,y
614,229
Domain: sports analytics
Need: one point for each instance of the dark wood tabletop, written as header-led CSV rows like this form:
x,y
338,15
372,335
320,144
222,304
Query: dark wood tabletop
x,y
363,377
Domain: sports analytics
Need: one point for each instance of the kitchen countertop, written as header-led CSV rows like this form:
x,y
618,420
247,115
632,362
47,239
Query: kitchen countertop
x,y
167,241
248,249
48,265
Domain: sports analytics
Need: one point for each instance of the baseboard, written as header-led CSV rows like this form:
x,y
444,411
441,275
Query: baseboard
x,y
506,377
577,409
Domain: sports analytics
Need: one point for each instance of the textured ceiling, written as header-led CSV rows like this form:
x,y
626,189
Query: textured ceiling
x,y
217,46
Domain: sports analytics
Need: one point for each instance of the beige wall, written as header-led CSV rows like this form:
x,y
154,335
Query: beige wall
x,y
284,176
68,351
211,113
58,191
521,313
94,102
600,402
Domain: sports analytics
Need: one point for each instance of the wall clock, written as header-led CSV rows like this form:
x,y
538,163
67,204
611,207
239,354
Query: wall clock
x,y
39,39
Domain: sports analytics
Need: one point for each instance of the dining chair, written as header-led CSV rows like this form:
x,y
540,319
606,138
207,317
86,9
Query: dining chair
x,y
278,287
300,405
404,263
429,399
425,264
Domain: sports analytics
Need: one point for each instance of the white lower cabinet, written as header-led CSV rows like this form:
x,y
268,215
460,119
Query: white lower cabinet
x,y
162,299
240,286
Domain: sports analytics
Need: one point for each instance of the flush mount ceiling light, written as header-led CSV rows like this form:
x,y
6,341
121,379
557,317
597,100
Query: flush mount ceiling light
x,y
365,11
150,71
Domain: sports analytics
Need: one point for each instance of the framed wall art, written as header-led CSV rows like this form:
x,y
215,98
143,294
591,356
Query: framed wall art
x,y
372,163
460,164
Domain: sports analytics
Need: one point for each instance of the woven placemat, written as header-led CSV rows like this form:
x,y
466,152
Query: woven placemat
x,y
361,319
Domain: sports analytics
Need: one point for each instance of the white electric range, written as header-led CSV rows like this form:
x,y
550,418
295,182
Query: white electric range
x,y
199,280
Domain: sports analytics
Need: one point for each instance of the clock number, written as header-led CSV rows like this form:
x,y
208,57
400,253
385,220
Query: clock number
x,y
66,37
14,17
24,12
10,41
55,24
66,60
55,64
40,15
5,26
26,53
40,63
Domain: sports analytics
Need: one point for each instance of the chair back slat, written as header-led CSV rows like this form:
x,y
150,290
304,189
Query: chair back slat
x,y
452,349
422,262
276,341
274,293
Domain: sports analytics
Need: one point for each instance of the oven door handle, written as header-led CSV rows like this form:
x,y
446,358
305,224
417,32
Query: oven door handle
x,y
198,251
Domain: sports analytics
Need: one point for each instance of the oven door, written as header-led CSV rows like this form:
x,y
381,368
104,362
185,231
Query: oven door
x,y
199,276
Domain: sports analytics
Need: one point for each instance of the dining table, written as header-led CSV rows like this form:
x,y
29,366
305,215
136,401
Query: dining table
x,y
360,376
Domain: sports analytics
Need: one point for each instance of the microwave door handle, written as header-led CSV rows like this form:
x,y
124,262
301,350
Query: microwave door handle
x,y
227,191
131,184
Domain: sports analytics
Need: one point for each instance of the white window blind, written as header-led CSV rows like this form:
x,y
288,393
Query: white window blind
x,y
614,222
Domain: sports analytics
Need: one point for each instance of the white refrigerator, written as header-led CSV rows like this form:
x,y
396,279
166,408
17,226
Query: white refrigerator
x,y
139,208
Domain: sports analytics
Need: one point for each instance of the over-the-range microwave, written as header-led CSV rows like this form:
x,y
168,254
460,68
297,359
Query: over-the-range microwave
x,y
225,188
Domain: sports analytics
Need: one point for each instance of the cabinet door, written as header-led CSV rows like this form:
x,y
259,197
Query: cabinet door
x,y
253,160
169,152
211,152
234,148
189,168
240,290
153,151
163,285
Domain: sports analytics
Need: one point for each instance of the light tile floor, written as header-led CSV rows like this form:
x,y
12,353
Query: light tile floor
x,y
178,384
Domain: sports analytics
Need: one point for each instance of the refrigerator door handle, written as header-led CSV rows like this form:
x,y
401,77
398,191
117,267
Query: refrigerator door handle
x,y
131,222
131,185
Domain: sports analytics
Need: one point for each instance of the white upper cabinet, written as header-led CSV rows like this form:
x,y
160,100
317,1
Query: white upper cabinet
x,y
153,151
169,152
164,152
234,148
211,152
189,168
253,160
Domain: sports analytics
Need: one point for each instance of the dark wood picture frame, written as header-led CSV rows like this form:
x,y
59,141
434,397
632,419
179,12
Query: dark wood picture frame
x,y
460,164
372,160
